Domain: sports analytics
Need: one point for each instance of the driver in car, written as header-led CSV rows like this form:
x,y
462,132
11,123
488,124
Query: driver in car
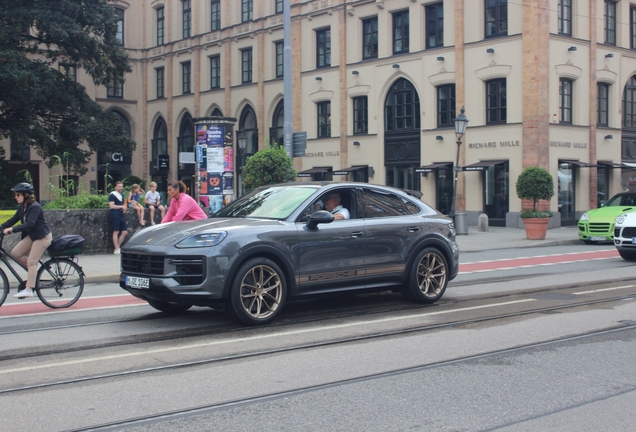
x,y
332,205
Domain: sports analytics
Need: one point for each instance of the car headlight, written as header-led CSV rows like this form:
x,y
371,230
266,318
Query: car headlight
x,y
620,219
202,240
585,217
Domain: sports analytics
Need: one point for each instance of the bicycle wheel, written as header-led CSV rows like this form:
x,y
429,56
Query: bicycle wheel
x,y
59,283
5,287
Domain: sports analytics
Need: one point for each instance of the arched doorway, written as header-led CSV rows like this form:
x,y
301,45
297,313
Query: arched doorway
x,y
628,134
159,147
278,120
402,136
247,137
114,166
185,144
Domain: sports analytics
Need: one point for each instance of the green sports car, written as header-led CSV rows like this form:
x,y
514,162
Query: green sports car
x,y
598,225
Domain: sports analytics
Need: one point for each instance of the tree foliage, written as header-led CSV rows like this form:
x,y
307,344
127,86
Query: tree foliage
x,y
268,166
40,106
535,184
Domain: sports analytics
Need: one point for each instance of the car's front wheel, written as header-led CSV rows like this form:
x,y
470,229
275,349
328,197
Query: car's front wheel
x,y
168,307
258,292
627,255
428,277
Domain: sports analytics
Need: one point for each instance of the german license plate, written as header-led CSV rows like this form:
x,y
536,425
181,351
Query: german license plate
x,y
597,238
137,282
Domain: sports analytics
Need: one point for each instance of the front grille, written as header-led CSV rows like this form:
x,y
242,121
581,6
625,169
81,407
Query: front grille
x,y
189,270
599,227
629,232
617,232
139,263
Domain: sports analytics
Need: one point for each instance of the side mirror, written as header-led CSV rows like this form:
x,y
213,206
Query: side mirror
x,y
321,216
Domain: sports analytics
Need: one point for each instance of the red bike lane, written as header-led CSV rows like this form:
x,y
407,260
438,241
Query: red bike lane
x,y
84,303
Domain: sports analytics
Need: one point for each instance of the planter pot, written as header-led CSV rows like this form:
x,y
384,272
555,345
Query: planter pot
x,y
536,228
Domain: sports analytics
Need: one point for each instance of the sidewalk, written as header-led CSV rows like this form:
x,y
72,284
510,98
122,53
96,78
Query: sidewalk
x,y
105,268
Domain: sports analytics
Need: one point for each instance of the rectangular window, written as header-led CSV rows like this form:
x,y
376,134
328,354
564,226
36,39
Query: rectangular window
x,y
186,77
435,25
496,101
120,26
279,6
610,22
69,71
565,100
215,72
161,81
115,89
360,115
161,21
215,15
247,8
401,32
370,38
323,48
279,60
632,27
446,105
324,119
246,65
602,105
187,18
496,17
565,17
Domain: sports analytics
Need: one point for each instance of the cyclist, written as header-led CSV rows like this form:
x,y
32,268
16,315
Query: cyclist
x,y
182,206
36,235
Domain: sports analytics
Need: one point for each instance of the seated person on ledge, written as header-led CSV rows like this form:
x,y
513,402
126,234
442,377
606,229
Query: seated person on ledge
x,y
332,204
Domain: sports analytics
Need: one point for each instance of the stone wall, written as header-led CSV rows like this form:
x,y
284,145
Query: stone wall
x,y
93,225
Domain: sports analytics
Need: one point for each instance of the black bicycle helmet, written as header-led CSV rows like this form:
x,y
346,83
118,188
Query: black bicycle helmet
x,y
23,187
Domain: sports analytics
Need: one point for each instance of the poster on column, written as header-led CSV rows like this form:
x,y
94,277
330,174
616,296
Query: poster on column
x,y
215,160
216,203
203,178
202,134
214,135
215,184
228,183
228,159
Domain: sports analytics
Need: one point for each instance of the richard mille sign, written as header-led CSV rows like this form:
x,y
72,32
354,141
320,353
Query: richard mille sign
x,y
494,144
567,144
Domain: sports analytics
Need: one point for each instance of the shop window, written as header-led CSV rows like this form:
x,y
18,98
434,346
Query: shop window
x,y
401,32
565,17
403,177
370,38
566,192
435,25
323,48
496,101
444,189
565,100
497,193
610,22
496,18
446,106
602,105
602,185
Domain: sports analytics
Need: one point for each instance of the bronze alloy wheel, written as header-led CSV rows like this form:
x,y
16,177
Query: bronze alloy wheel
x,y
431,274
261,291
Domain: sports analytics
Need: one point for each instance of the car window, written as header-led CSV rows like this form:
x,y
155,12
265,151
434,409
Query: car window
x,y
409,207
347,201
382,204
270,203
621,200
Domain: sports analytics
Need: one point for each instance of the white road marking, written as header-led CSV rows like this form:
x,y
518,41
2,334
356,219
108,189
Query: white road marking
x,y
254,338
604,289
535,256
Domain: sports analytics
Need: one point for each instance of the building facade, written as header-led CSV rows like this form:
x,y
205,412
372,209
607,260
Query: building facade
x,y
376,84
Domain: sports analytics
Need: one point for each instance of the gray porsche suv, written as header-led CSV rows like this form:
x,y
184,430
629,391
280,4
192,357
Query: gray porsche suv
x,y
288,241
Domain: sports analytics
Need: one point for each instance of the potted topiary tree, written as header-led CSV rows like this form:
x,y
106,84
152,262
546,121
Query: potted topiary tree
x,y
535,184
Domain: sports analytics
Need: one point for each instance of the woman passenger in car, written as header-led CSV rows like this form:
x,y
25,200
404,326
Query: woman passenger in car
x,y
182,206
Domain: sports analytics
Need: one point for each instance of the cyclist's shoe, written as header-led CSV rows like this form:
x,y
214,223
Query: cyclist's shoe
x,y
24,294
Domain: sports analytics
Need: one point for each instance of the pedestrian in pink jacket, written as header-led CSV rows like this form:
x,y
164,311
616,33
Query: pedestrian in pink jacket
x,y
182,206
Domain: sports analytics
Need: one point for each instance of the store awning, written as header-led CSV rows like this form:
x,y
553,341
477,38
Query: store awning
x,y
347,171
629,165
312,171
609,164
483,165
578,163
432,167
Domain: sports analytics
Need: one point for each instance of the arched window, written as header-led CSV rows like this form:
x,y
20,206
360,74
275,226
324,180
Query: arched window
x,y
159,139
276,131
185,140
216,113
629,104
124,122
402,107
249,127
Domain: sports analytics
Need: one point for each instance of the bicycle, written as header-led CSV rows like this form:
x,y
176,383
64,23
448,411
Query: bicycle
x,y
59,282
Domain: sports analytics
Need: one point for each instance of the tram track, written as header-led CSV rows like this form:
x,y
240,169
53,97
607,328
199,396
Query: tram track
x,y
264,397
325,343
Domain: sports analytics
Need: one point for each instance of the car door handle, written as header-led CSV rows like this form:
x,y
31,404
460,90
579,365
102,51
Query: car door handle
x,y
413,229
356,234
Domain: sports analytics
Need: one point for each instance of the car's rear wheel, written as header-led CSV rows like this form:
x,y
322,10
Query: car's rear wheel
x,y
168,307
428,277
627,255
258,292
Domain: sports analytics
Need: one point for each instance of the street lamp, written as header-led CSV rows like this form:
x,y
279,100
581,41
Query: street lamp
x,y
460,129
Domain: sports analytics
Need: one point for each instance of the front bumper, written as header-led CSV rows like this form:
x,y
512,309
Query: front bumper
x,y
625,238
596,231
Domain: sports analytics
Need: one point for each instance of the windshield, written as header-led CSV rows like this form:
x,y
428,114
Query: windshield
x,y
271,203
621,200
